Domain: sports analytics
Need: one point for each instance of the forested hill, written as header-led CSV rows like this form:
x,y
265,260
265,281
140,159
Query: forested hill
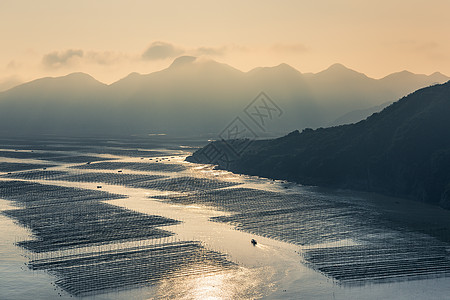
x,y
403,151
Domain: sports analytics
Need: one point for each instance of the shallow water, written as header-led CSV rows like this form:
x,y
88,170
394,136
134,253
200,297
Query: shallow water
x,y
282,265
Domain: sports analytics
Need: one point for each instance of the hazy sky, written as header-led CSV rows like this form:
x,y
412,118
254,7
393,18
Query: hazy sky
x,y
110,38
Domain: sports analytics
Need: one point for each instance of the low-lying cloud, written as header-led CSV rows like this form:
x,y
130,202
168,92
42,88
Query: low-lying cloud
x,y
161,50
157,50
58,59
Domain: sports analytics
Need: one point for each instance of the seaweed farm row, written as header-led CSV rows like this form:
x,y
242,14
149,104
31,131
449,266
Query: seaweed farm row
x,y
294,218
29,154
62,157
133,267
135,166
76,159
14,166
59,151
66,218
341,238
132,180
185,184
125,152
158,182
381,262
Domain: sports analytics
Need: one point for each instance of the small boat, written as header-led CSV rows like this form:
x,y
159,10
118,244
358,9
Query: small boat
x,y
254,242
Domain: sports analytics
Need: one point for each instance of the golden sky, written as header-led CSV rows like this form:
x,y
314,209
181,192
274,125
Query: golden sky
x,y
112,38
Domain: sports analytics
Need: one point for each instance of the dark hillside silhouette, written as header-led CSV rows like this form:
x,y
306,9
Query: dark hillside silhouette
x,y
403,151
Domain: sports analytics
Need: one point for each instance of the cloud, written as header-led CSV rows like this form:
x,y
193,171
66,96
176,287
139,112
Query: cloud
x,y
58,59
161,50
289,48
157,51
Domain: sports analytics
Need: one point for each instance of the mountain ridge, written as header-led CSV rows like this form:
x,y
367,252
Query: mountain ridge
x,y
183,60
192,95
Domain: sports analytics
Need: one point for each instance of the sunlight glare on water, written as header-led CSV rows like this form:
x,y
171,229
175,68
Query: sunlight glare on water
x,y
240,283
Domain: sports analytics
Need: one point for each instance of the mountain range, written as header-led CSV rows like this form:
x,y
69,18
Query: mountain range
x,y
404,150
196,96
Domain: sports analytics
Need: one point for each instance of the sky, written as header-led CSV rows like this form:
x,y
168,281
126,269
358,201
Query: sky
x,y
109,39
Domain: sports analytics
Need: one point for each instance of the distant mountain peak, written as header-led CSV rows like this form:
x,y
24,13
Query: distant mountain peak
x,y
183,60
439,77
405,76
78,76
337,66
338,70
134,74
399,75
406,72
438,74
282,68
69,81
286,67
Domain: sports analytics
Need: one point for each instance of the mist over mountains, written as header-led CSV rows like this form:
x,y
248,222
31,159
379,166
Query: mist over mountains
x,y
196,96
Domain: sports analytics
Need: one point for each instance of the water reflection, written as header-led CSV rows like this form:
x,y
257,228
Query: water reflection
x,y
241,283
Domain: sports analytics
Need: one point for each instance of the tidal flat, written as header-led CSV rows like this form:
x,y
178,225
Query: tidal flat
x,y
114,222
